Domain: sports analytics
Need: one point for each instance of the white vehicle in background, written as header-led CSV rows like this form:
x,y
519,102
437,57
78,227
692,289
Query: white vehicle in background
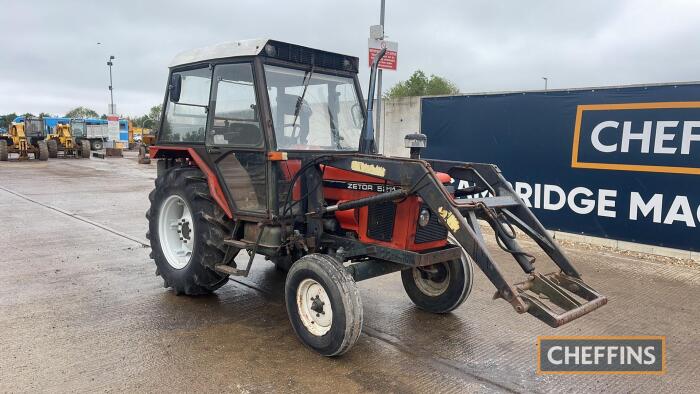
x,y
97,133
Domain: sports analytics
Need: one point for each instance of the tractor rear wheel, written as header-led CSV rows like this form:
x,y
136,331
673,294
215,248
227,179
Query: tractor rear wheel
x,y
323,304
441,287
42,151
186,231
3,150
85,149
53,148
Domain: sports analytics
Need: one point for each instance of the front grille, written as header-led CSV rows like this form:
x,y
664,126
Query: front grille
x,y
380,221
434,231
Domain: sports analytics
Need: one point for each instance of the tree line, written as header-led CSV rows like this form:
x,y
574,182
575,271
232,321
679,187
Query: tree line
x,y
419,84
148,121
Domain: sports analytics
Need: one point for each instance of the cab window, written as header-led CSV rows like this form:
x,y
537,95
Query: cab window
x,y
185,121
236,120
78,129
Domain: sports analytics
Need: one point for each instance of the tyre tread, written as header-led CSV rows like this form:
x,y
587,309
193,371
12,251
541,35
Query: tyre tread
x,y
4,154
350,294
202,279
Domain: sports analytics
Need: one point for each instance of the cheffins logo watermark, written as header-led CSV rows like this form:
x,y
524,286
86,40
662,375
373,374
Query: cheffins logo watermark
x,y
641,355
649,137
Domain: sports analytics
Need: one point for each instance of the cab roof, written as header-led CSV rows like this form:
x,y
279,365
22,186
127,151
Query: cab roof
x,y
220,51
275,49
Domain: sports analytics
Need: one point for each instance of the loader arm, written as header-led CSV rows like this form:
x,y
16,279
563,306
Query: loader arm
x,y
554,298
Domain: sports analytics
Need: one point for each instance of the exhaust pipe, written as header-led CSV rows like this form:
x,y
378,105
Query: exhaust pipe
x,y
367,145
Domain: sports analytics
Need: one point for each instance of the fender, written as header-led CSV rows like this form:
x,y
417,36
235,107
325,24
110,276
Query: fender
x,y
214,187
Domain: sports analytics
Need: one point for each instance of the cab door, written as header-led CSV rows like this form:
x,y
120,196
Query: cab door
x,y
235,139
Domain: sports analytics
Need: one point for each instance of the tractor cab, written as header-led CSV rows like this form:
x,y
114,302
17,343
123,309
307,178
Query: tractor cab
x,y
267,147
34,129
246,105
78,129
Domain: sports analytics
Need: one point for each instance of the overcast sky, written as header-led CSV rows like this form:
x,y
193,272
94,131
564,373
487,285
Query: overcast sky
x,y
50,60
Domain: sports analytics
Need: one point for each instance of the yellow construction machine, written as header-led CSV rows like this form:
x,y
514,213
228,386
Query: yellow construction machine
x,y
25,137
64,139
147,139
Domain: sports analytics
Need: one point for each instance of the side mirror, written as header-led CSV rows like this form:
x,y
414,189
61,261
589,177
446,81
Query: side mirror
x,y
174,87
357,119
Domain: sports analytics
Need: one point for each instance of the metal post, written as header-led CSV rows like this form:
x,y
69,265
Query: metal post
x,y
111,94
545,82
380,134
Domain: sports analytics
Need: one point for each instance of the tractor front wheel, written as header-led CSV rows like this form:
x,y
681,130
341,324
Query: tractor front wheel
x,y
323,304
42,151
53,148
97,144
441,287
186,231
3,151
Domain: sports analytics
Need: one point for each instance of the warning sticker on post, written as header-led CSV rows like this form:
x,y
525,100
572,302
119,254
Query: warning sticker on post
x,y
389,60
113,127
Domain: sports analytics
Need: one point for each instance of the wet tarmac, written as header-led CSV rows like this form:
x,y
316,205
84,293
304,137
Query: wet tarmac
x,y
81,310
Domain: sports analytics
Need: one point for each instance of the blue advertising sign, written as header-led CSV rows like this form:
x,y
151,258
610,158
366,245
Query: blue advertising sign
x,y
620,163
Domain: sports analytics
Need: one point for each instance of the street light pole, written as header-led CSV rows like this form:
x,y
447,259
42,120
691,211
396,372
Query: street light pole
x,y
545,82
111,94
379,84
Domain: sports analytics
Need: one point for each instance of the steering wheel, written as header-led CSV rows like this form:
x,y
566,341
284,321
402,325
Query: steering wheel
x,y
304,111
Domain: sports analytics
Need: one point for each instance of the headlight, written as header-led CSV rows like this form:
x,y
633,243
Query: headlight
x,y
424,217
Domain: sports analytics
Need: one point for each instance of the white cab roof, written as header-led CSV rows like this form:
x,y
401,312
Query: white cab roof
x,y
220,51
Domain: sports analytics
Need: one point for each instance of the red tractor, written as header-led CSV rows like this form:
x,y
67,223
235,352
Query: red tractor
x,y
267,147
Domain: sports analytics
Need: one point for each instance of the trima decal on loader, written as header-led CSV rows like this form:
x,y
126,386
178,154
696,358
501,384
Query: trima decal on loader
x,y
267,147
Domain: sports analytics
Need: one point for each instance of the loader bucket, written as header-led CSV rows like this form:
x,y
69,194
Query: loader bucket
x,y
555,298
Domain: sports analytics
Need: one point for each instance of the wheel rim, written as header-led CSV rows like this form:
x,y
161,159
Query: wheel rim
x,y
176,231
314,307
432,280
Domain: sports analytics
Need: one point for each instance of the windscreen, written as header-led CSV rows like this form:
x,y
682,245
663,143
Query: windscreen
x,y
78,129
34,127
313,111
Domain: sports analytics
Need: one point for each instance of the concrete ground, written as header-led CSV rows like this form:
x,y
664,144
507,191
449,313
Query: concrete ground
x,y
81,310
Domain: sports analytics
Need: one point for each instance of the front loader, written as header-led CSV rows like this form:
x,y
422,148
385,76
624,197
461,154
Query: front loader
x,y
63,141
280,161
24,138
